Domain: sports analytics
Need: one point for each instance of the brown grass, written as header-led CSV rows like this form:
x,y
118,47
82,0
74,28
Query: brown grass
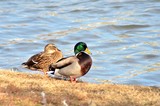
x,y
21,89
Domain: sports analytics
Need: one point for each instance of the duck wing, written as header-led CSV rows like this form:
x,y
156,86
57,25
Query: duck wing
x,y
64,62
33,60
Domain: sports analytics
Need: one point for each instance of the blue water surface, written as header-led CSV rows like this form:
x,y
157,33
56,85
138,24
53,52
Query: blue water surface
x,y
123,36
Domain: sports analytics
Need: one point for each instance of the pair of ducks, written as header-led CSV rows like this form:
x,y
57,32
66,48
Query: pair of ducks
x,y
51,61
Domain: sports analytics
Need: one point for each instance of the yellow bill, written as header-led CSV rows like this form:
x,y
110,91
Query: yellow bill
x,y
87,51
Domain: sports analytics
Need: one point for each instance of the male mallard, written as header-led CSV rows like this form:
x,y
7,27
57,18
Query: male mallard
x,y
42,60
73,66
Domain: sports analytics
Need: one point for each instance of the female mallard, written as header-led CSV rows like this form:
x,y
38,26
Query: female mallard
x,y
73,66
42,60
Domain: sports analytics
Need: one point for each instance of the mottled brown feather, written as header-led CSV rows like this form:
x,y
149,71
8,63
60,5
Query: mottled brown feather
x,y
42,60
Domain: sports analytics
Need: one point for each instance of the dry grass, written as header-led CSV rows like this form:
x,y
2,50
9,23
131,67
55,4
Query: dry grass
x,y
21,89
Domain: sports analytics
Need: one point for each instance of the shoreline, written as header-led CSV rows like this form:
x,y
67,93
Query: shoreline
x,y
18,88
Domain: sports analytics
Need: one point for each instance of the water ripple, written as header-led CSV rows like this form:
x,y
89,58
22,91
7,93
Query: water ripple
x,y
124,40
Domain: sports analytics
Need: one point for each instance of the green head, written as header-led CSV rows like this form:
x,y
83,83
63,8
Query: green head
x,y
81,46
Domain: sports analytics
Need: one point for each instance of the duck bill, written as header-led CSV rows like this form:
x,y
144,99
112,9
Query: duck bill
x,y
87,51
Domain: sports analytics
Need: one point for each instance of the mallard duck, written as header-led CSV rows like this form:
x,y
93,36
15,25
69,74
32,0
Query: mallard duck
x,y
73,66
42,60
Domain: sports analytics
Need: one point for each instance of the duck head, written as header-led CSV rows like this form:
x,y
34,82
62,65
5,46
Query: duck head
x,y
50,48
81,46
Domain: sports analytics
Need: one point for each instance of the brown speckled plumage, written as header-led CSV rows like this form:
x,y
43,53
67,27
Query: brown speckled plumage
x,y
41,61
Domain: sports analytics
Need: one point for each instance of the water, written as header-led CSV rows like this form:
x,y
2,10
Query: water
x,y
123,35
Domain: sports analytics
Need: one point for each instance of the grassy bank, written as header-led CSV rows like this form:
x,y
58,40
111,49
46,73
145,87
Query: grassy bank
x,y
21,89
